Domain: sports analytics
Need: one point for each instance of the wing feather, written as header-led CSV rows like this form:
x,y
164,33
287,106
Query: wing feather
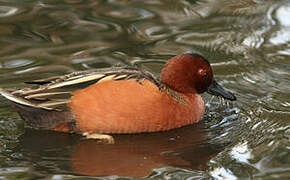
x,y
54,93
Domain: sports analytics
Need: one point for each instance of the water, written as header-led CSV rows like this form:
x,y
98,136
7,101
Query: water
x,y
247,43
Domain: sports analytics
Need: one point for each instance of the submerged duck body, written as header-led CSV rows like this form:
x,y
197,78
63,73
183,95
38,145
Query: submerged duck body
x,y
119,99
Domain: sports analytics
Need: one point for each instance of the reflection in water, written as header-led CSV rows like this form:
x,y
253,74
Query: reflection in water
x,y
241,152
282,36
131,155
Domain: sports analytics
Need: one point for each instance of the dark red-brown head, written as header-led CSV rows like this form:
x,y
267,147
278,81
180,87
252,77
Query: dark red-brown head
x,y
191,73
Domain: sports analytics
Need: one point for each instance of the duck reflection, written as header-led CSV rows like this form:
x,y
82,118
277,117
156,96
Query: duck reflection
x,y
131,155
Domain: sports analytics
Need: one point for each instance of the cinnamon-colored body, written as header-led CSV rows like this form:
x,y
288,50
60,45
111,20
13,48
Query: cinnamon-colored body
x,y
130,107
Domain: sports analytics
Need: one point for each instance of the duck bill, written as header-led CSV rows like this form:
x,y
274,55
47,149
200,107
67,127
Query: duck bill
x,y
217,90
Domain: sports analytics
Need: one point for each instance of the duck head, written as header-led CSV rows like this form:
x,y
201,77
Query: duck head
x,y
191,73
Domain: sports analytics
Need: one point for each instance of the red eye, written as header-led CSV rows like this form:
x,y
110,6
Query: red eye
x,y
202,72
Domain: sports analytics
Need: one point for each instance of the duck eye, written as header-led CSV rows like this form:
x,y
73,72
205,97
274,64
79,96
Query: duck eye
x,y
202,72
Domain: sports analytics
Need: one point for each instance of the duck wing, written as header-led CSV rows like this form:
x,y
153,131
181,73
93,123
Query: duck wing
x,y
54,93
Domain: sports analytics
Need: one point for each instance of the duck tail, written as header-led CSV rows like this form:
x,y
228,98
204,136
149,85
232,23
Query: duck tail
x,y
40,118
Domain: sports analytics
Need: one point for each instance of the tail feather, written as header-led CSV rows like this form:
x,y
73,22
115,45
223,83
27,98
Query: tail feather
x,y
15,99
37,117
44,119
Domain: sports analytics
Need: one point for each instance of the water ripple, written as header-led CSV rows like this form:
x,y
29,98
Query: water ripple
x,y
130,14
6,11
15,63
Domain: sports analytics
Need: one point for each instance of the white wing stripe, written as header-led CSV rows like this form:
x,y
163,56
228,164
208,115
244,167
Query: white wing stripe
x,y
15,99
76,81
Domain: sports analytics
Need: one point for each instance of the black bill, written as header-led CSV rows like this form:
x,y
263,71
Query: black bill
x,y
217,90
